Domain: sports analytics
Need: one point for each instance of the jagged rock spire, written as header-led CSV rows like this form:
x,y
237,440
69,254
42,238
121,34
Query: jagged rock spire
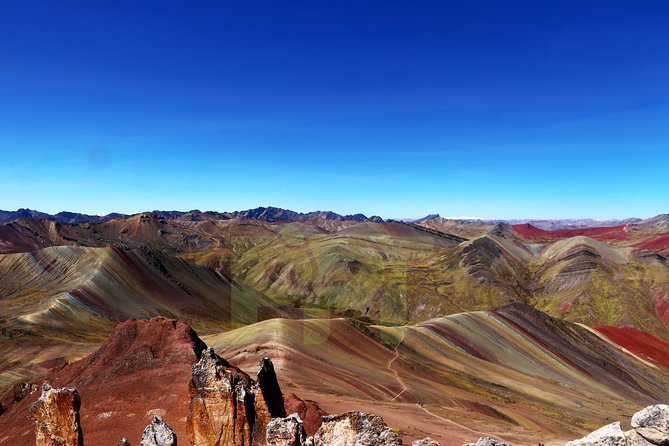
x,y
222,409
56,415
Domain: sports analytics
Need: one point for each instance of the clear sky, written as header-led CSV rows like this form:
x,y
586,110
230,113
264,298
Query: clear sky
x,y
398,108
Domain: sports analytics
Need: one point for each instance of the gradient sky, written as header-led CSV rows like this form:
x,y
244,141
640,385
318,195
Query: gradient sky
x,y
505,109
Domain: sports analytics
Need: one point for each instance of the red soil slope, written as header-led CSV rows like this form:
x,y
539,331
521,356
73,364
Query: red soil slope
x,y
658,243
142,369
638,342
613,233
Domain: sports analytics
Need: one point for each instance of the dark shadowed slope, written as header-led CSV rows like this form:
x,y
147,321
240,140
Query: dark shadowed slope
x,y
30,234
74,291
56,301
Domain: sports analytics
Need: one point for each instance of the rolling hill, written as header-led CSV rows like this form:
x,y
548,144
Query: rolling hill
x,y
57,300
514,373
465,328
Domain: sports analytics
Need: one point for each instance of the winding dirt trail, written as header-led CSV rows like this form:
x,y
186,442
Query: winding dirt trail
x,y
446,420
397,376
405,388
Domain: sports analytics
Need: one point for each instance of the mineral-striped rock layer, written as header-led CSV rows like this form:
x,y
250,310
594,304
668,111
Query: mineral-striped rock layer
x,y
516,373
507,373
434,326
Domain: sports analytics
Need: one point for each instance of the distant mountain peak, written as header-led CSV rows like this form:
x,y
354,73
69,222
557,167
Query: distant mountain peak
x,y
503,230
428,218
660,221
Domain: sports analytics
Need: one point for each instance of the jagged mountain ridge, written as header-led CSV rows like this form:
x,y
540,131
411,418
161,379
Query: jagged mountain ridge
x,y
268,214
275,214
61,217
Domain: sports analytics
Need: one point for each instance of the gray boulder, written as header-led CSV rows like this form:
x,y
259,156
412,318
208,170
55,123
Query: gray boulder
x,y
355,429
609,435
158,433
287,431
634,439
425,442
652,423
487,441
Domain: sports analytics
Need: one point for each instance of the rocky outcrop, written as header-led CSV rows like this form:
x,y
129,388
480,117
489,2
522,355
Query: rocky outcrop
x,y
56,415
15,394
143,368
270,391
425,442
609,435
136,346
487,441
268,400
652,423
287,431
309,411
355,428
634,439
650,427
222,407
158,433
227,407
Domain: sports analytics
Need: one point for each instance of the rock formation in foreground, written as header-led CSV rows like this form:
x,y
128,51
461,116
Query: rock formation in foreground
x,y
650,427
222,407
56,415
347,429
309,411
425,442
158,433
652,423
486,441
269,402
287,431
227,407
353,428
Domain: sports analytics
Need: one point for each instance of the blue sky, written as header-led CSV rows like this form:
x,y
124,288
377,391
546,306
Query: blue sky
x,y
504,109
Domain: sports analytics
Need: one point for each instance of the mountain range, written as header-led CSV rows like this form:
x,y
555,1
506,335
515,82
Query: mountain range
x,y
448,328
274,214
269,214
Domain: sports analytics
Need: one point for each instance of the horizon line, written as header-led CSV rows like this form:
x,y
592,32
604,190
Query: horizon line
x,y
408,219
